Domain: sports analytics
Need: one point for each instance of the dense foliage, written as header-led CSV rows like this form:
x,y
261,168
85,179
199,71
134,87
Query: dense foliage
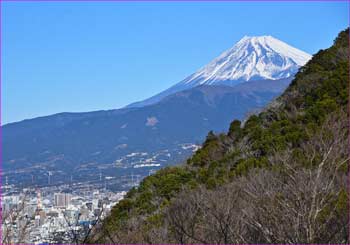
x,y
278,177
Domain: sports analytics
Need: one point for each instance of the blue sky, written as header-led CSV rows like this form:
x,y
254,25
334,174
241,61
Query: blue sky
x,y
84,56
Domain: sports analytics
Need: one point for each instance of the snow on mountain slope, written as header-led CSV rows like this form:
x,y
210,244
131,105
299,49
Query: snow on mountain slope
x,y
252,58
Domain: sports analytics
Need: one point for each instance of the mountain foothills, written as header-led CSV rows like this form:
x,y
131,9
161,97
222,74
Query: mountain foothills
x,y
68,140
80,145
279,177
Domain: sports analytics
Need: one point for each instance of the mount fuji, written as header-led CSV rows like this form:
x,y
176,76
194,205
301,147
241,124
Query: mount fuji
x,y
250,59
160,131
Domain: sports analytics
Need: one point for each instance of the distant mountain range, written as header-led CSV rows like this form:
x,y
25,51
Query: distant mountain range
x,y
241,80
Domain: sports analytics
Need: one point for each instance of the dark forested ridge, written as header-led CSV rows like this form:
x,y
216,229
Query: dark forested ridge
x,y
279,177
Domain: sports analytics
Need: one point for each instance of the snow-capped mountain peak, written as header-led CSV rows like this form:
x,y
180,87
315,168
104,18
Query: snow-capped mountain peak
x,y
252,58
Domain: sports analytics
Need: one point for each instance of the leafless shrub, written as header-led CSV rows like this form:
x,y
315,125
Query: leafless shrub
x,y
15,223
302,204
303,200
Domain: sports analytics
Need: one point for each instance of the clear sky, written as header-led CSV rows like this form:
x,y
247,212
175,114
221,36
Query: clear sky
x,y
84,56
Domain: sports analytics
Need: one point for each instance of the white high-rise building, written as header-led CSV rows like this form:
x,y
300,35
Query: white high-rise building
x,y
62,199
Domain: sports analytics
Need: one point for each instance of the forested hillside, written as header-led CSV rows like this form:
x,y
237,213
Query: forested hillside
x,y
278,177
